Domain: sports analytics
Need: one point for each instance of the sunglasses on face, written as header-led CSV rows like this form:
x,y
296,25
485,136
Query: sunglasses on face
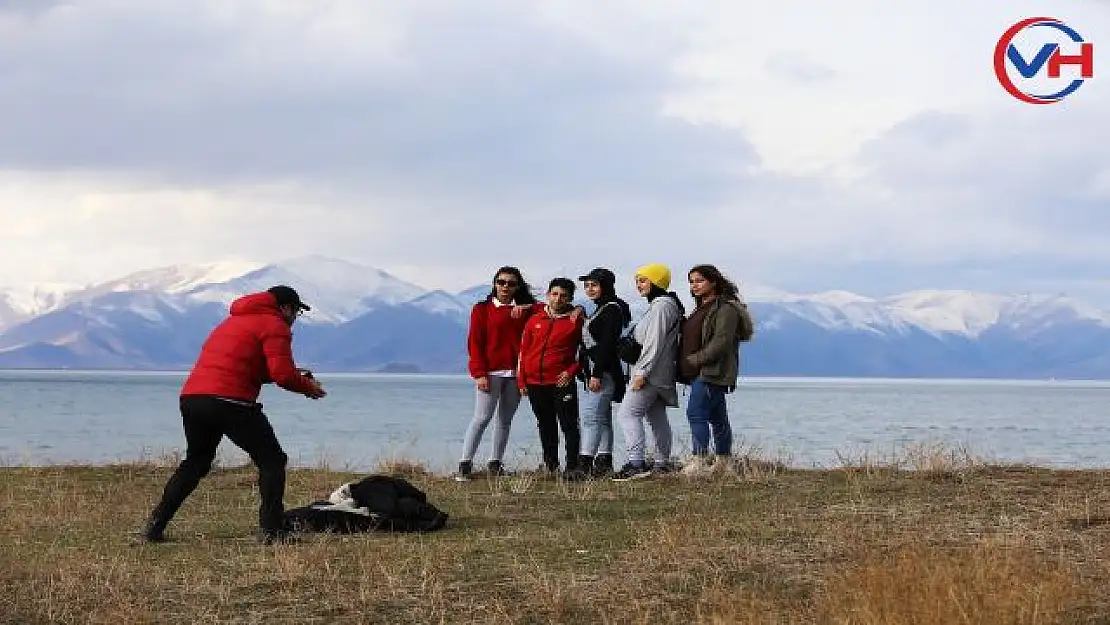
x,y
500,282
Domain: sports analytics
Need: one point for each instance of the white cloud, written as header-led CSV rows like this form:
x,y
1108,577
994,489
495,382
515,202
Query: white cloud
x,y
800,142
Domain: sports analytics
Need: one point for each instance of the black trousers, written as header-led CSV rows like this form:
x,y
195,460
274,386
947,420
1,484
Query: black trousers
x,y
206,421
556,408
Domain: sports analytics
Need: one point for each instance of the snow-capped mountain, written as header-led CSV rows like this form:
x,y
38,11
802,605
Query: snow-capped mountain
x,y
363,318
19,304
171,279
337,290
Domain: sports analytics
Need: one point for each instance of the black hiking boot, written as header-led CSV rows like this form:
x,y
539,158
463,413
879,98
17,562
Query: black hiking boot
x,y
154,530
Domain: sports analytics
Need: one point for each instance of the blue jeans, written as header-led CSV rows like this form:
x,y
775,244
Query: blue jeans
x,y
597,418
706,410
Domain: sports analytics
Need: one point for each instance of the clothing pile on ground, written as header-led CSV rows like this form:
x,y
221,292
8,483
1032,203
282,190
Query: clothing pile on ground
x,y
378,503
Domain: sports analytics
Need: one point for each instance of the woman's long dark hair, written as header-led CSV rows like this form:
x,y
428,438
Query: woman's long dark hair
x,y
726,289
523,293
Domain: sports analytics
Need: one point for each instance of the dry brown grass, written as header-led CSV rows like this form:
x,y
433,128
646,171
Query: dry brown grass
x,y
926,541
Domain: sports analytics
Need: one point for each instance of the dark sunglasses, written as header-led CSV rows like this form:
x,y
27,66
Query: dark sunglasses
x,y
506,282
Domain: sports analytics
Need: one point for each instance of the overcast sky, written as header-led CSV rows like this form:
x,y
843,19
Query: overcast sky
x,y
863,145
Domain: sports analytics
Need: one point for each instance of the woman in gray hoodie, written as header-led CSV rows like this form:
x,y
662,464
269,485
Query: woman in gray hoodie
x,y
652,386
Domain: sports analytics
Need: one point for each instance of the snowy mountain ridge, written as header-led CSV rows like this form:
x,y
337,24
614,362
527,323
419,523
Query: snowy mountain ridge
x,y
340,290
364,319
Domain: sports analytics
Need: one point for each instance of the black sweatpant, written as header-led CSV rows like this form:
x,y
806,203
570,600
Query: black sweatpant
x,y
206,421
556,408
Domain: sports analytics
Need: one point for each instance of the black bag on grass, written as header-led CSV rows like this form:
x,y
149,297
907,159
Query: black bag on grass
x,y
378,503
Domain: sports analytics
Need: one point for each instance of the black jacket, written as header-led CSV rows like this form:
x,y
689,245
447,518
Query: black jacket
x,y
605,327
379,503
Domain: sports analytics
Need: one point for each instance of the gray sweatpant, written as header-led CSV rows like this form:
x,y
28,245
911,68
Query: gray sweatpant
x,y
638,405
503,397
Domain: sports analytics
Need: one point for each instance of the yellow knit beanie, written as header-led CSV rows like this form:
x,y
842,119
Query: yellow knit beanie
x,y
658,273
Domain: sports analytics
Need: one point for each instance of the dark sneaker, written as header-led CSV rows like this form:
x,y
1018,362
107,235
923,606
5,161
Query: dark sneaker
x,y
465,468
602,466
662,468
632,472
496,469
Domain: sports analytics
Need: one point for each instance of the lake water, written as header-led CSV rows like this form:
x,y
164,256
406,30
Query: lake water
x,y
51,417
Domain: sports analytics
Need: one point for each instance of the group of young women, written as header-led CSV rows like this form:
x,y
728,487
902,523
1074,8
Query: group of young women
x,y
542,350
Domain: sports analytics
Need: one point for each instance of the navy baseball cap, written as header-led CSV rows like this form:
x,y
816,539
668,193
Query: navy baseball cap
x,y
287,295
600,275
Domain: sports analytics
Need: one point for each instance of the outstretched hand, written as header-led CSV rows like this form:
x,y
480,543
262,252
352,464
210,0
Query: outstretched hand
x,y
315,391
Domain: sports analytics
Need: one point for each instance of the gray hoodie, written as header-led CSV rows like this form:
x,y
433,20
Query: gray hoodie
x,y
658,332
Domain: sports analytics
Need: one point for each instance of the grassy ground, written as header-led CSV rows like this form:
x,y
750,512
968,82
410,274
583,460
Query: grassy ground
x,y
949,543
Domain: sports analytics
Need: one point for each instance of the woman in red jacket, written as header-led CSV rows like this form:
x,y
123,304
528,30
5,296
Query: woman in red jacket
x,y
548,365
493,343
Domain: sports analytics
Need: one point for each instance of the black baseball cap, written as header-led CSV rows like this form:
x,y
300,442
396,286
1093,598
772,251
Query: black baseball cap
x,y
600,275
287,295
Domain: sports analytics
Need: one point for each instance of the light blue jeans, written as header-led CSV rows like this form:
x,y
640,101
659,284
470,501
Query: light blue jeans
x,y
597,418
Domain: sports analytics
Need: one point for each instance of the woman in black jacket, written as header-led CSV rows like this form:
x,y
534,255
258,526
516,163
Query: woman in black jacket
x,y
601,370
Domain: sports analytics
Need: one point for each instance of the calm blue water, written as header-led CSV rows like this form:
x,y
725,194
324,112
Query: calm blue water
x,y
100,417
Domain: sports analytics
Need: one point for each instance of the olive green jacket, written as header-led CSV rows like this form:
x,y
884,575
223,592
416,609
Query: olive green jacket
x,y
718,360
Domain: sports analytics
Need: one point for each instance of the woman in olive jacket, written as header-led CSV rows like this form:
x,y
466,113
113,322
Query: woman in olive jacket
x,y
710,355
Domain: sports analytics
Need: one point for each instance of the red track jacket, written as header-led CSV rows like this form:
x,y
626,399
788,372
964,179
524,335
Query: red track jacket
x,y
549,347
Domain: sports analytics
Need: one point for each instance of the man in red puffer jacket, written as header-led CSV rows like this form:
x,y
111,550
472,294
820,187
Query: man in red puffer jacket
x,y
548,365
252,347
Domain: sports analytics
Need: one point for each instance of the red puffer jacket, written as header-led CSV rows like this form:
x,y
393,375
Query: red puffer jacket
x,y
250,348
549,347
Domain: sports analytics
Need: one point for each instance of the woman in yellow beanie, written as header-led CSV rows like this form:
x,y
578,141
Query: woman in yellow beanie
x,y
652,386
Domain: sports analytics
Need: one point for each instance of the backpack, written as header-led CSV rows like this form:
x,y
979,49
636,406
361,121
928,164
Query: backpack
x,y
630,349
747,325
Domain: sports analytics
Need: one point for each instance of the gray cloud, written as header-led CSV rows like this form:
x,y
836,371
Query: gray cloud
x,y
483,102
1040,173
449,140
25,9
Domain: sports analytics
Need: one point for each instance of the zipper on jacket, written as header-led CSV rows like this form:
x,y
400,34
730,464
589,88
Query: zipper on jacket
x,y
543,349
